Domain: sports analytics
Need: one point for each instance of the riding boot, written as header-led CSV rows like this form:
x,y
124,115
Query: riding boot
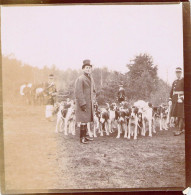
x,y
181,124
180,127
83,130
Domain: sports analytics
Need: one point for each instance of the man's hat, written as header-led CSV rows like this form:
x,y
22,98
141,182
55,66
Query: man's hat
x,y
51,76
86,63
178,69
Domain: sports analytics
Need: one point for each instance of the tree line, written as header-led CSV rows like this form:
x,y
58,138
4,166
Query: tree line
x,y
140,82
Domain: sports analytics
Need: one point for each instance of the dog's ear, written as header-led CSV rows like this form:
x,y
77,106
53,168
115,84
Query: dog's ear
x,y
116,114
127,112
150,105
136,110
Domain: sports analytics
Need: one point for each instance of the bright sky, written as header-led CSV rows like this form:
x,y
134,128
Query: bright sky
x,y
108,35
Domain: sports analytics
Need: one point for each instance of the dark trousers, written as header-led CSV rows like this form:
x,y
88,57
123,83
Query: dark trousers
x,y
180,124
83,130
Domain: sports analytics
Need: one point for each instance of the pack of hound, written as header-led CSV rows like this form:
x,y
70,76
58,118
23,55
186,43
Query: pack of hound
x,y
129,121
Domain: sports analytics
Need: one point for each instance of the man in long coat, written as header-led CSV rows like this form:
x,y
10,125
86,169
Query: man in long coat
x,y
84,99
177,100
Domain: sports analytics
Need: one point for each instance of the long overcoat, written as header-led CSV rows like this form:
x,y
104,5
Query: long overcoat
x,y
177,109
84,95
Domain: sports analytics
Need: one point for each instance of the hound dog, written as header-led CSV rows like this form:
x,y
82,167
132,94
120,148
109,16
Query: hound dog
x,y
145,108
97,117
95,123
155,117
104,121
160,113
135,120
66,117
122,120
163,117
112,109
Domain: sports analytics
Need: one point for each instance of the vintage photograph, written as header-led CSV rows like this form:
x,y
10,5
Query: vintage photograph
x,y
93,97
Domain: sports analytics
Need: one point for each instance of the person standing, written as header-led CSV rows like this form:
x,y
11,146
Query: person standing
x,y
176,100
84,98
50,94
121,94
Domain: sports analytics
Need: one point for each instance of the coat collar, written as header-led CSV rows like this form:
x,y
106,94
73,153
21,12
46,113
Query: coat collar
x,y
87,75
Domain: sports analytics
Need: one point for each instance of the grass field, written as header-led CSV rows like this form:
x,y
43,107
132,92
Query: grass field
x,y
38,158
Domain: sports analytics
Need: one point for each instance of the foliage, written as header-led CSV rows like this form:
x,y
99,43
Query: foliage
x,y
141,82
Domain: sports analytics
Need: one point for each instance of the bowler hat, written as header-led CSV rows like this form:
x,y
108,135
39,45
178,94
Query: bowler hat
x,y
86,63
178,69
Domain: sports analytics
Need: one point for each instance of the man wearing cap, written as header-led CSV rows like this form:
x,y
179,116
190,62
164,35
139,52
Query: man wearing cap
x,y
84,98
121,94
50,93
176,100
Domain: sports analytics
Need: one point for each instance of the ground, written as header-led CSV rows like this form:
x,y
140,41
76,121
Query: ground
x,y
38,158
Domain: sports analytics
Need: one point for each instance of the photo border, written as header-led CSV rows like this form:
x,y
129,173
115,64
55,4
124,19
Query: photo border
x,y
187,87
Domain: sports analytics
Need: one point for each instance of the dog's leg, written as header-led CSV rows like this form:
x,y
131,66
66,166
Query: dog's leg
x,y
89,130
154,125
129,131
95,129
61,125
135,131
125,129
132,132
57,125
143,134
107,128
160,121
101,129
69,127
113,125
66,127
172,121
165,127
119,131
150,129
73,128
110,126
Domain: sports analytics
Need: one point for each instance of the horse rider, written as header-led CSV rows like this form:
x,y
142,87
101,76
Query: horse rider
x,y
50,95
121,94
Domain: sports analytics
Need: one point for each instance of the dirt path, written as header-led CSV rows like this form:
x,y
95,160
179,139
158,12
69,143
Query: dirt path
x,y
30,149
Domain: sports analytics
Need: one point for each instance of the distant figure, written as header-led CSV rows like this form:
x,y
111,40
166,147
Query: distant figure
x,y
28,93
39,94
22,89
84,97
25,92
50,93
121,94
177,100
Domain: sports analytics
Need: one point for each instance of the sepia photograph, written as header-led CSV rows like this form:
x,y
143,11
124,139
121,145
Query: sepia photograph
x,y
93,97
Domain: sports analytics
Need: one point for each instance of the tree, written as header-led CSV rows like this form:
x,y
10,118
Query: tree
x,y
142,78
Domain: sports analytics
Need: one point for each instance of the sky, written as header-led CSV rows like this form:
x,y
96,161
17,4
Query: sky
x,y
108,35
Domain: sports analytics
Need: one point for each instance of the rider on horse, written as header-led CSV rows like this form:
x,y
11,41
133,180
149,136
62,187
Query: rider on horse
x,y
121,94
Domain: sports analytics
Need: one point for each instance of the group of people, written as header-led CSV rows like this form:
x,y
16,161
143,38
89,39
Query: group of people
x,y
33,94
85,97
